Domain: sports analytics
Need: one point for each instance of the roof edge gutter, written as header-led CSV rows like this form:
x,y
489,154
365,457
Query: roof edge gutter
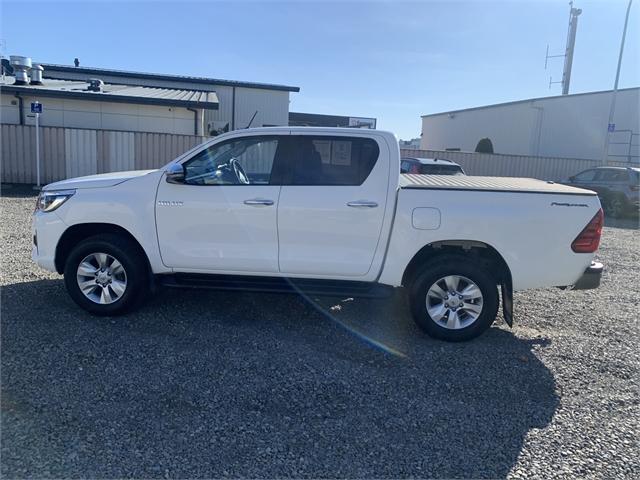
x,y
107,97
51,68
526,100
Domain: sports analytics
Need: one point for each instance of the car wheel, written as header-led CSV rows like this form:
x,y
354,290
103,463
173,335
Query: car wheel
x,y
615,207
454,299
106,275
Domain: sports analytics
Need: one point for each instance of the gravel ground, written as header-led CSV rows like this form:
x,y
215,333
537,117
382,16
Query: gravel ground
x,y
219,384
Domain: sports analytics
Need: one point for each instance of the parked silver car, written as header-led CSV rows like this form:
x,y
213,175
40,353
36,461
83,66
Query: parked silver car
x,y
617,187
430,166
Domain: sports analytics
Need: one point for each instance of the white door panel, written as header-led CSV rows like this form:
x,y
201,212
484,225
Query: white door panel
x,y
223,216
332,230
322,235
218,227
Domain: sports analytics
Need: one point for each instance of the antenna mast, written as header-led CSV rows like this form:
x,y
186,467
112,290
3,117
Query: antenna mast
x,y
574,13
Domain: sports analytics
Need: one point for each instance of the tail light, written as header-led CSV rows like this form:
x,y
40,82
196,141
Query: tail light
x,y
589,238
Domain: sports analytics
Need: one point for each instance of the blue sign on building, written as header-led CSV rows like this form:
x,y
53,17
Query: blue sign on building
x,y
36,107
612,127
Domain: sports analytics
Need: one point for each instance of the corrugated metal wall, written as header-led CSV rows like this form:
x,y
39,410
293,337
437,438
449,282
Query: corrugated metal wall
x,y
500,165
73,152
81,152
272,107
224,112
152,150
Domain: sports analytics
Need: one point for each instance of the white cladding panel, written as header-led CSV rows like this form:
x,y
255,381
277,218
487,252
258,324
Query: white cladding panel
x,y
74,113
571,126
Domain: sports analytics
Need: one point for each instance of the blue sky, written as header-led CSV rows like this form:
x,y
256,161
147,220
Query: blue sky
x,y
391,60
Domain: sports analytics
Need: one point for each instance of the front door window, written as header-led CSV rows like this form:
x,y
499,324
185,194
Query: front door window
x,y
245,161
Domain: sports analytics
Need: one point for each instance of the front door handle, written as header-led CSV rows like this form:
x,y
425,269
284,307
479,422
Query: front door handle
x,y
258,202
362,204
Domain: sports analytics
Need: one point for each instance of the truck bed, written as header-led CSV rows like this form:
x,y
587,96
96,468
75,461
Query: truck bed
x,y
490,184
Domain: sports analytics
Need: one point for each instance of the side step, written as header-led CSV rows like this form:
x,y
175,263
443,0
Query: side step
x,y
246,283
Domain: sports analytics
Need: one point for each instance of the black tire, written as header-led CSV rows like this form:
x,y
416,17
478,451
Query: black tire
x,y
444,266
615,206
133,261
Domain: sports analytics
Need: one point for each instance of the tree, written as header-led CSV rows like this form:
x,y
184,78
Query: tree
x,y
484,146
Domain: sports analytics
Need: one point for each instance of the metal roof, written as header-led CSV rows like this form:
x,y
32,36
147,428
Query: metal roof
x,y
116,93
52,67
537,99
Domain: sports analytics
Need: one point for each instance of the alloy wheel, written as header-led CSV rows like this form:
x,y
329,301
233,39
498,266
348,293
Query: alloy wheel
x,y
101,278
454,302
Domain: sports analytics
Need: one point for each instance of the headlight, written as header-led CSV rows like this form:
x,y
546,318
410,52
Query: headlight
x,y
49,200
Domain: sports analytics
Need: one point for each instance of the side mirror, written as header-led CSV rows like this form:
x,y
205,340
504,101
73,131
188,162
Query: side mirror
x,y
572,179
175,173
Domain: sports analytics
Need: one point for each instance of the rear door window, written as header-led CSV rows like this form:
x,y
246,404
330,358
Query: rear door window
x,y
611,175
587,176
327,160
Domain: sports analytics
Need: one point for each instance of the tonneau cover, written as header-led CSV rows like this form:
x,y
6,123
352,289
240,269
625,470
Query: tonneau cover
x,y
490,184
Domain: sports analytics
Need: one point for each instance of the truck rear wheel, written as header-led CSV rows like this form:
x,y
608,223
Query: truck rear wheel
x,y
454,299
106,275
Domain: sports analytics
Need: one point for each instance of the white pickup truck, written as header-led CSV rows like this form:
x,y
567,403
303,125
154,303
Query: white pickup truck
x,y
322,209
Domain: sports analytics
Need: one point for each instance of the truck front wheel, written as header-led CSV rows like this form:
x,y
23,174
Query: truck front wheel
x,y
106,275
454,299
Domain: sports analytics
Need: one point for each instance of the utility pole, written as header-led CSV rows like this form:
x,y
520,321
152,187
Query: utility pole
x,y
574,13
571,43
611,127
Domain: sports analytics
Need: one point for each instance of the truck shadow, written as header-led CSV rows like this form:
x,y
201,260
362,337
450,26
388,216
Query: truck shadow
x,y
212,384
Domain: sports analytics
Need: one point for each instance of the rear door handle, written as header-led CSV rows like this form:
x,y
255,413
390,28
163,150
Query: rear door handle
x,y
362,204
258,202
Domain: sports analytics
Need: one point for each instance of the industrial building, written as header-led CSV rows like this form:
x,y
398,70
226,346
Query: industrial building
x,y
569,126
413,144
97,98
240,103
150,102
97,120
78,104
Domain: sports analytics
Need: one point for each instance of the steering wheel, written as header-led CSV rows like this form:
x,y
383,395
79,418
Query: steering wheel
x,y
239,171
